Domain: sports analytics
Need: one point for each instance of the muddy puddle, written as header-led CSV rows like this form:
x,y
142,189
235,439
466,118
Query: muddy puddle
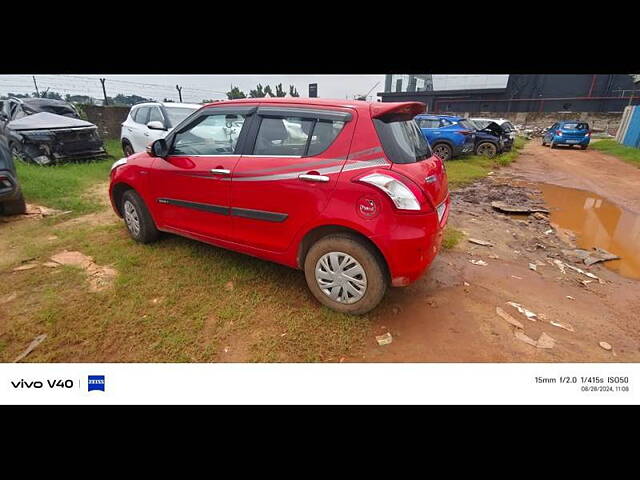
x,y
597,222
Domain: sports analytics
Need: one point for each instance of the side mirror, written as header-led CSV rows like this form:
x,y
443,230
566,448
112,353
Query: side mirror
x,y
159,148
155,125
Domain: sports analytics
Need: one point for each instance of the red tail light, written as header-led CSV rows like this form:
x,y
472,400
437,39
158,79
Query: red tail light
x,y
588,134
559,133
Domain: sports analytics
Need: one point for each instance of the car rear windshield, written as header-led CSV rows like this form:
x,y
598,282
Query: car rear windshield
x,y
176,114
575,126
480,124
401,139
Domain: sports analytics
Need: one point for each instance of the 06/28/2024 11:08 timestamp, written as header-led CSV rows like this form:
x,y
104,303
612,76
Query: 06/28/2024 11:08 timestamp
x,y
591,384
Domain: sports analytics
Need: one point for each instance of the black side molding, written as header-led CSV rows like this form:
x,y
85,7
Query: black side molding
x,y
259,215
220,210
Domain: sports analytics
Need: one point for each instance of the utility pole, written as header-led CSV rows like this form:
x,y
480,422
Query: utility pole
x,y
104,91
179,88
36,85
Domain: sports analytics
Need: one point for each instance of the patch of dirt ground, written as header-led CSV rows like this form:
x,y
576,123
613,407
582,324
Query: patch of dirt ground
x,y
450,314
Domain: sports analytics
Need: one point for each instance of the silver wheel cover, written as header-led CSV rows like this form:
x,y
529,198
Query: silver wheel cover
x,y
341,277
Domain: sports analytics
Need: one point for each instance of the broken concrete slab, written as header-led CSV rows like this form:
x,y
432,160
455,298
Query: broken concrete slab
x,y
590,257
565,326
484,243
505,316
385,339
527,313
22,268
544,340
479,262
522,209
100,277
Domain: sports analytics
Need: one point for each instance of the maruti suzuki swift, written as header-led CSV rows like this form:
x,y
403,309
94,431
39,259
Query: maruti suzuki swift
x,y
348,191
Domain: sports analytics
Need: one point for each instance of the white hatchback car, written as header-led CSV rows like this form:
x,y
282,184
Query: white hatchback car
x,y
150,121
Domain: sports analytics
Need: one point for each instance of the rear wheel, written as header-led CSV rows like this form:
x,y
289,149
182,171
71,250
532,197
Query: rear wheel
x,y
487,149
444,151
552,144
345,274
16,151
583,147
137,218
544,144
14,207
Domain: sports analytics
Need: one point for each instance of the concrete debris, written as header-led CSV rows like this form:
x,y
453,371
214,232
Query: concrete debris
x,y
566,326
28,266
516,277
479,262
549,232
495,257
36,341
606,346
100,277
588,274
544,340
570,297
505,316
560,266
527,313
509,208
532,266
466,284
589,257
385,339
51,264
484,243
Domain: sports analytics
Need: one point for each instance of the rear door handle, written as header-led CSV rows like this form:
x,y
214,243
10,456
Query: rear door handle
x,y
313,178
220,171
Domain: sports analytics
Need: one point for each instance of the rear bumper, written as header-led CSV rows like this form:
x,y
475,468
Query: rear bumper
x,y
571,141
412,244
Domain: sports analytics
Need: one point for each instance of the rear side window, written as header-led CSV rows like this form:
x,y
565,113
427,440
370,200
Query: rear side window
x,y
468,125
295,136
428,123
401,139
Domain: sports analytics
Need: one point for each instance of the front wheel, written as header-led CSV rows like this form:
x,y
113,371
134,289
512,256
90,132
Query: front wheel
x,y
137,218
444,151
345,274
14,207
552,144
583,147
127,149
544,144
487,149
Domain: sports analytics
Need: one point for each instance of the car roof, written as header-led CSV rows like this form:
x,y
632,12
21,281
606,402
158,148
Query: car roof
x,y
321,102
168,104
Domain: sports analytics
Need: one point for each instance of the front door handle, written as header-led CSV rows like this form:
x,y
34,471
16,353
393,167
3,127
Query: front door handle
x,y
313,178
220,171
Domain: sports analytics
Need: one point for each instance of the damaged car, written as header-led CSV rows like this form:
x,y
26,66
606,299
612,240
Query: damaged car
x,y
46,131
491,139
11,198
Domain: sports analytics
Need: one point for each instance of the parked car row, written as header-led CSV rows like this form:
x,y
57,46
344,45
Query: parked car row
x,y
452,136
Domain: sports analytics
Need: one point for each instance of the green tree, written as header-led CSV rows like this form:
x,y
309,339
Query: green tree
x,y
280,91
257,93
267,90
293,92
234,93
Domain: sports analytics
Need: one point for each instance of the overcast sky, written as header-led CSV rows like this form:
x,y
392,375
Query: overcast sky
x,y
196,88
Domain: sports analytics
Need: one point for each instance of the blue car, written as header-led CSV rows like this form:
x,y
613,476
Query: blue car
x,y
568,133
449,136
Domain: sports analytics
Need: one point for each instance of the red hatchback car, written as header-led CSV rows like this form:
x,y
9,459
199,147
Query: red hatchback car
x,y
348,191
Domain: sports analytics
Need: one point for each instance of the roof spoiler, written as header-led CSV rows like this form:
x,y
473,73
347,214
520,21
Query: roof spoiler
x,y
380,109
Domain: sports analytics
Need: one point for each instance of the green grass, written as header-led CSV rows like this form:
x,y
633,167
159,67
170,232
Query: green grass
x,y
62,186
452,237
464,170
628,154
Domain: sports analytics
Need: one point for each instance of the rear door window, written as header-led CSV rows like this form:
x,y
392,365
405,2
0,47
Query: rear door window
x,y
575,126
155,115
428,123
401,139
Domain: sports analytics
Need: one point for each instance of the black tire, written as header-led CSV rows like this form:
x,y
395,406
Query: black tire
x,y
134,210
544,144
444,151
369,260
552,144
583,147
14,207
487,149
16,152
127,149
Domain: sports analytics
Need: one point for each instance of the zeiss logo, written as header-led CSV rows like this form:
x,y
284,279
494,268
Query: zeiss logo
x,y
96,382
